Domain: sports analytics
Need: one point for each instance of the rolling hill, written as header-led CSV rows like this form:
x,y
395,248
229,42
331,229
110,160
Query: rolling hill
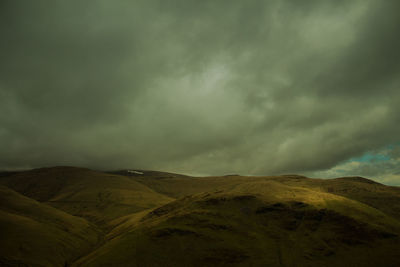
x,y
150,218
35,234
96,196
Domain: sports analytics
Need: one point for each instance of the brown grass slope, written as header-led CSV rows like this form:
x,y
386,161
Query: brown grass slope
x,y
99,197
35,234
251,221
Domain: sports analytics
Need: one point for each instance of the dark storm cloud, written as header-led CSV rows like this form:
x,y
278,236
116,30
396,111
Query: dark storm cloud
x,y
208,87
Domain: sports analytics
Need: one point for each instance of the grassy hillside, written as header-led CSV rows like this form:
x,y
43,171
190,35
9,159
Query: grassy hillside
x,y
253,221
98,197
163,219
36,234
363,190
238,229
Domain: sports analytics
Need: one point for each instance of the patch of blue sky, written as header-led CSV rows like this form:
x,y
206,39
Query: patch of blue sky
x,y
368,157
374,156
382,155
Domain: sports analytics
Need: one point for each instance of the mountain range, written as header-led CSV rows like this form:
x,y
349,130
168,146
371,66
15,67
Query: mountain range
x,y
69,216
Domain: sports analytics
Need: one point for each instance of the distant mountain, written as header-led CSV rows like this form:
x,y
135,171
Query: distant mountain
x,y
147,174
148,218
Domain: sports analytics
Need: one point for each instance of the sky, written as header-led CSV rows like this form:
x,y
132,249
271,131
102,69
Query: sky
x,y
202,87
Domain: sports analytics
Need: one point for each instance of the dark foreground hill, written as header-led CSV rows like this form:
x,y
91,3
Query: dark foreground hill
x,y
54,216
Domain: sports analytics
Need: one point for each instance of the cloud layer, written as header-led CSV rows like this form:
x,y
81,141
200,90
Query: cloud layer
x,y
200,87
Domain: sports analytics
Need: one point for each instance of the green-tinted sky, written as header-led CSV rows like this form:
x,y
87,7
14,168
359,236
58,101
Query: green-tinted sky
x,y
201,87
